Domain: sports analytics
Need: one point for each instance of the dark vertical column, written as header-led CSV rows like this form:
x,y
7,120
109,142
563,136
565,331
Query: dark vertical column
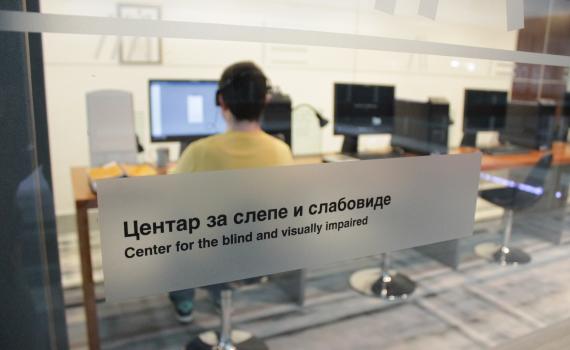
x,y
526,82
30,281
545,34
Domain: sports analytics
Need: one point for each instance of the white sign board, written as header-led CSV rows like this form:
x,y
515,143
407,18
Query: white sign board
x,y
166,233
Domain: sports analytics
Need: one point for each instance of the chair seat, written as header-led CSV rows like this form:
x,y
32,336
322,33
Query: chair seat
x,y
509,198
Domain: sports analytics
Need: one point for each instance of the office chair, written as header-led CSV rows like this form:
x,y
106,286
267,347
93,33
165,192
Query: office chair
x,y
111,127
382,282
469,139
514,199
227,338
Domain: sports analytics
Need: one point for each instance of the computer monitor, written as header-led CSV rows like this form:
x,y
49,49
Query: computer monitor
x,y
484,110
362,109
184,110
421,127
530,124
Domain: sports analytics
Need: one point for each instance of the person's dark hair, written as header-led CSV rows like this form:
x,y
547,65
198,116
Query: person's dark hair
x,y
244,87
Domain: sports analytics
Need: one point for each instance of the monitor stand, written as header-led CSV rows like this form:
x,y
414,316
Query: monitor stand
x,y
350,144
350,148
469,139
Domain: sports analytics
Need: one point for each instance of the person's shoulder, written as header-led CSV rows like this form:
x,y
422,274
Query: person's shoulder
x,y
275,140
198,147
280,146
194,156
204,143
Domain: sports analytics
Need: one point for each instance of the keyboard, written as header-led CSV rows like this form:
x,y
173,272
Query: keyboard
x,y
367,156
504,150
334,158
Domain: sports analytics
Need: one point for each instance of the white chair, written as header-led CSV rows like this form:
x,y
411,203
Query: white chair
x,y
111,127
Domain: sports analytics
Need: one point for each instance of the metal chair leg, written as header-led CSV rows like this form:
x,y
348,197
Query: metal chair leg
x,y
382,282
507,255
227,338
225,342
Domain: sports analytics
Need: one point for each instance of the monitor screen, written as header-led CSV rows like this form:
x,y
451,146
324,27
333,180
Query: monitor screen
x,y
183,110
484,110
363,109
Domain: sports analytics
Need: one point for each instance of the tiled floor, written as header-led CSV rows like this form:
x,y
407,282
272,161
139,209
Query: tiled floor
x,y
478,306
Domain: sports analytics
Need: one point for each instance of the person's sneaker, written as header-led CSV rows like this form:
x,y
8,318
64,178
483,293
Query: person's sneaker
x,y
184,311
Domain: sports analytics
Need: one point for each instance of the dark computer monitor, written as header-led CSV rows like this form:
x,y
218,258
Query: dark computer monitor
x,y
484,110
530,124
184,110
421,127
362,109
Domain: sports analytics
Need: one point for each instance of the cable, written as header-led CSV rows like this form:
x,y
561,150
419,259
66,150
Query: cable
x,y
322,121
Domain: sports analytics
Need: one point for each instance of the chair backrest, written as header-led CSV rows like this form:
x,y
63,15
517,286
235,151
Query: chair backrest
x,y
539,173
536,178
111,127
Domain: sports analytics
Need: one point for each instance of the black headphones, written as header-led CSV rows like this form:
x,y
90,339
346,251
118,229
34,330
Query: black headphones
x,y
227,83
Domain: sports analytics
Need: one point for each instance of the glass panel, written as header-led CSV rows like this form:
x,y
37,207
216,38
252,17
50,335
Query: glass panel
x,y
480,23
452,102
30,280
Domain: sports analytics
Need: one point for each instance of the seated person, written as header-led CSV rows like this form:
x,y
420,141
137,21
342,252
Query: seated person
x,y
242,96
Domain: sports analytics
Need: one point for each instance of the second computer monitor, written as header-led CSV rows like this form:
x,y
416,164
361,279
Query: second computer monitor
x,y
363,109
484,110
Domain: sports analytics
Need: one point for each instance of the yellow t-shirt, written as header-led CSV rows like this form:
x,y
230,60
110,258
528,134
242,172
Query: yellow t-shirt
x,y
234,150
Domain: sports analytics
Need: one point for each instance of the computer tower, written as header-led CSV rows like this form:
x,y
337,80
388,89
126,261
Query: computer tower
x,y
421,127
276,118
564,121
410,127
439,121
484,110
546,123
530,124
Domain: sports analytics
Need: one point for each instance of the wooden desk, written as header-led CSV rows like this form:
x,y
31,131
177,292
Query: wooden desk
x,y
560,152
84,200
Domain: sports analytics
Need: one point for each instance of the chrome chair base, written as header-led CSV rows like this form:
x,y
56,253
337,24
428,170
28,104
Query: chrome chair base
x,y
226,338
241,340
502,255
511,256
387,285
